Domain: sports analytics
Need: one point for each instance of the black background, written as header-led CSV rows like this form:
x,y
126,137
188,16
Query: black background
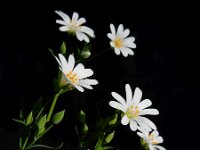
x,y
165,66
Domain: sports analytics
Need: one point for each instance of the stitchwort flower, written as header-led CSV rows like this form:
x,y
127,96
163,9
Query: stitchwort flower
x,y
77,76
120,40
134,109
75,26
151,140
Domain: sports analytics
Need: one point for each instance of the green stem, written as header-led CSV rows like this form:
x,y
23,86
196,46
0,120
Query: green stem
x,y
35,140
98,54
25,142
53,104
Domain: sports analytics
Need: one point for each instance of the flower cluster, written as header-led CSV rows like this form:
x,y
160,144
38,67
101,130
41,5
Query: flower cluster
x,y
72,74
133,108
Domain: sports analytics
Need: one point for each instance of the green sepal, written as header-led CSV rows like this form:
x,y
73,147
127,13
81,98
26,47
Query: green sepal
x,y
63,48
58,117
109,137
29,118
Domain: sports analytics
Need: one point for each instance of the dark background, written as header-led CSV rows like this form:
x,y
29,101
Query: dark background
x,y
165,66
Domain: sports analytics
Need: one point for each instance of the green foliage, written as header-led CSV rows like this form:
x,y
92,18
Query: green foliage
x,y
41,124
63,48
58,117
29,118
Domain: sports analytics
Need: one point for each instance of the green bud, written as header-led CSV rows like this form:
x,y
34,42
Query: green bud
x,y
63,48
41,123
82,116
29,118
57,118
109,137
114,120
85,129
85,54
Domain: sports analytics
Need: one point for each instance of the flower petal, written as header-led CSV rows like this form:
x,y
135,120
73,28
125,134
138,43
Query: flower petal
x,y
63,62
137,95
117,51
64,16
119,98
149,112
159,139
78,88
148,122
124,52
145,103
61,22
110,36
127,51
64,28
117,105
133,125
125,33
141,135
81,21
125,120
120,30
91,81
155,133
78,68
112,28
85,73
84,84
75,17
87,30
143,125
131,45
129,94
71,63
159,147
130,39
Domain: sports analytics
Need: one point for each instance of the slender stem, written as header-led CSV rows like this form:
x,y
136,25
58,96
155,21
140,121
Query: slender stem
x,y
35,140
98,54
25,142
53,104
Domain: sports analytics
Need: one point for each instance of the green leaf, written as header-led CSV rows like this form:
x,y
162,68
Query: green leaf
x,y
52,53
41,123
109,137
99,144
57,118
45,147
29,118
85,129
19,121
63,48
82,116
108,147
85,54
113,120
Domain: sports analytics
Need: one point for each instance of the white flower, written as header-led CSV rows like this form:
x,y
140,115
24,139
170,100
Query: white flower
x,y
75,75
75,26
120,42
151,139
134,109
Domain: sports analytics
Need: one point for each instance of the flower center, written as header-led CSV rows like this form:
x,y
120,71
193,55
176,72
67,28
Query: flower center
x,y
151,139
133,112
72,77
73,25
118,42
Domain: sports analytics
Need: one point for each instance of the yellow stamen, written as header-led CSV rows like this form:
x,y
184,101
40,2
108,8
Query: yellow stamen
x,y
133,112
118,42
72,77
74,25
151,138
